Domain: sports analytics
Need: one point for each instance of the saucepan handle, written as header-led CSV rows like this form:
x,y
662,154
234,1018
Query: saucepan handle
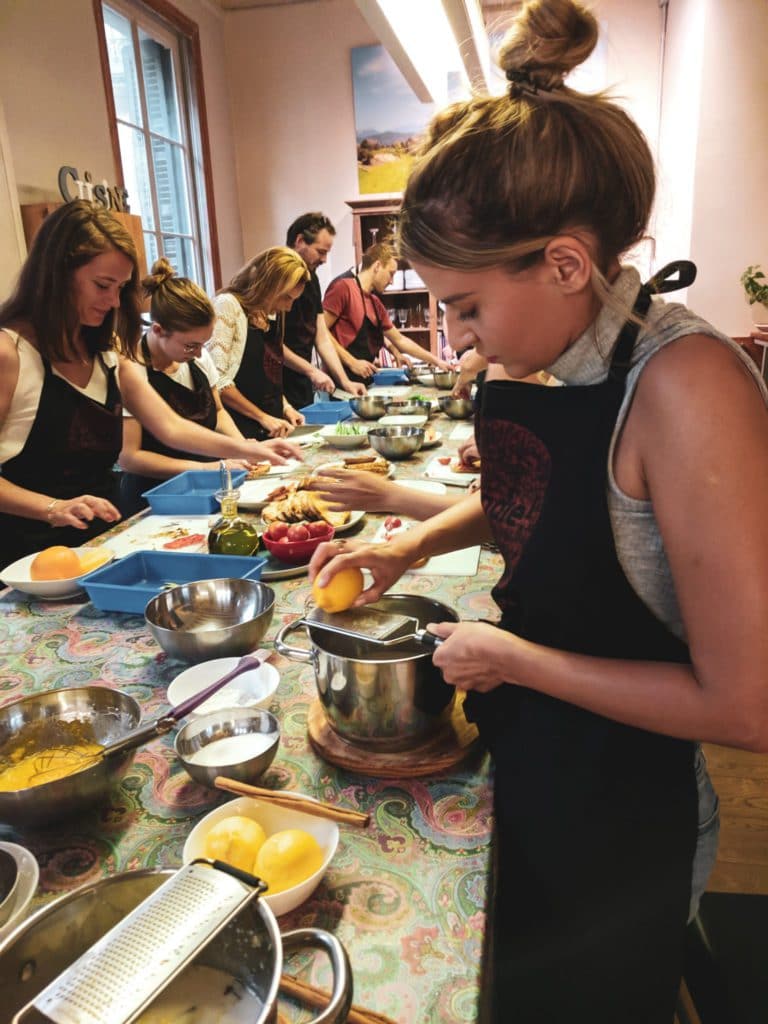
x,y
287,651
337,1009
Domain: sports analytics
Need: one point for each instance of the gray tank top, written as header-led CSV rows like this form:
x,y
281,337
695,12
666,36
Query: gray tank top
x,y
638,542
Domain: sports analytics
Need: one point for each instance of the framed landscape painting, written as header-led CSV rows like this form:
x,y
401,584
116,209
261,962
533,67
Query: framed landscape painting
x,y
389,121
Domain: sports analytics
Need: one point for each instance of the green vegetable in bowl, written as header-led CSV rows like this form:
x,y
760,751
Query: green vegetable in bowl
x,y
347,428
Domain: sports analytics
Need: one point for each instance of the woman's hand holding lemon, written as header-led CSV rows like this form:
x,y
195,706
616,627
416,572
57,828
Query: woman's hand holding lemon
x,y
385,562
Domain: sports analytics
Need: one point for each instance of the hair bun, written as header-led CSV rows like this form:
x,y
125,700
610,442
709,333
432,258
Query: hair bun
x,y
548,39
161,272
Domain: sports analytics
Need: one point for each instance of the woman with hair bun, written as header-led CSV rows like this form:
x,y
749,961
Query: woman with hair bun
x,y
176,364
629,506
68,340
247,342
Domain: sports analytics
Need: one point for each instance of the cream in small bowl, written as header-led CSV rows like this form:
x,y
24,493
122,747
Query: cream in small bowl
x,y
238,743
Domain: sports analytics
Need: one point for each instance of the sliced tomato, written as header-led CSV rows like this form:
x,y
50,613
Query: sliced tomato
x,y
185,542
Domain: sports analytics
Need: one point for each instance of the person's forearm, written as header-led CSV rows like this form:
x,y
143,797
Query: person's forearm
x,y
295,362
412,348
657,696
227,426
233,398
459,526
159,467
328,349
20,501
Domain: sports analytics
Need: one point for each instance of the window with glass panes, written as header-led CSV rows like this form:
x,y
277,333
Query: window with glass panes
x,y
149,79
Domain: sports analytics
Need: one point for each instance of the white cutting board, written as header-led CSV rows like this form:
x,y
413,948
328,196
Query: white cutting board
x,y
152,533
453,563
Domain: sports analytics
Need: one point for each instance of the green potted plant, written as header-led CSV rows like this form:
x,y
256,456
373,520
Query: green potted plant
x,y
755,285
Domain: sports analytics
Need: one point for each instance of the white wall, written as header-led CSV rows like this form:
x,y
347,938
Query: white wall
x,y
52,91
290,82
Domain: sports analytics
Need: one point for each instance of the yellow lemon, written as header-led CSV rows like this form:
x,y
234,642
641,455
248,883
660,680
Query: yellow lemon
x,y
92,559
236,841
342,591
56,563
288,858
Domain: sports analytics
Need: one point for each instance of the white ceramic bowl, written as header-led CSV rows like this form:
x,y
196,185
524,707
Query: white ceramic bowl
x,y
411,420
25,888
252,689
329,435
17,575
272,819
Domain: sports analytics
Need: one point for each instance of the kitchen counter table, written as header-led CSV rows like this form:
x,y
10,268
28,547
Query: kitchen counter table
x,y
406,896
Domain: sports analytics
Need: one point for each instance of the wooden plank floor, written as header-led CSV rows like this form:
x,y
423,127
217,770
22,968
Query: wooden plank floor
x,y
741,780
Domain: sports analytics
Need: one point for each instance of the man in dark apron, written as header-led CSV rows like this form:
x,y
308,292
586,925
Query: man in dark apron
x,y
196,404
595,821
71,450
312,236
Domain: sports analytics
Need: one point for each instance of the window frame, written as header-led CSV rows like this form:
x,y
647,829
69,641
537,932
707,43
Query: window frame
x,y
196,120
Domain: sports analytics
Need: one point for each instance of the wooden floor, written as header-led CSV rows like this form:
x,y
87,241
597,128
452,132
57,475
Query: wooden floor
x,y
741,781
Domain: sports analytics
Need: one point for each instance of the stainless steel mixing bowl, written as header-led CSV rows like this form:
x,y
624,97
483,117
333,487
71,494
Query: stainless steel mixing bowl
x,y
445,379
456,408
396,443
409,407
205,731
369,407
94,714
223,618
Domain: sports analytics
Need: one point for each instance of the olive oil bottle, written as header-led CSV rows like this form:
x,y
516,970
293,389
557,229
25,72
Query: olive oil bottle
x,y
231,534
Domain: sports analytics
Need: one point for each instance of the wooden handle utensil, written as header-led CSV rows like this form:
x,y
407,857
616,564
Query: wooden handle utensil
x,y
295,802
318,998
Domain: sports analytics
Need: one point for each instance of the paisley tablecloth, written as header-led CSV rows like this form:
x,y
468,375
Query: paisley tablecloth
x,y
406,896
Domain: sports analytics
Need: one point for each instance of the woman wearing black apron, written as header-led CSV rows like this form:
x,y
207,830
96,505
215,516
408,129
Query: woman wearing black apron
x,y
631,610
66,370
247,342
182,373
368,340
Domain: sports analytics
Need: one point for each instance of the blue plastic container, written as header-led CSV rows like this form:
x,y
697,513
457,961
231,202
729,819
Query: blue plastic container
x,y
127,585
192,493
390,376
326,412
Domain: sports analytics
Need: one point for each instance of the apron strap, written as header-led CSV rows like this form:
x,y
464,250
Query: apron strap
x,y
662,281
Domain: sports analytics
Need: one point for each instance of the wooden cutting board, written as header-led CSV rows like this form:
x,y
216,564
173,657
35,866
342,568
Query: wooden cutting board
x,y
446,749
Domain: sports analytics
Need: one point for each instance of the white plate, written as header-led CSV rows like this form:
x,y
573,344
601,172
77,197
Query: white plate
x,y
254,493
252,689
340,465
152,533
437,471
413,420
290,467
17,576
26,886
336,440
437,439
272,819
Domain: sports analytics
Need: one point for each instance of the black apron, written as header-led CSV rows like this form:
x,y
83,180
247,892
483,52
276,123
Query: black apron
x,y
260,377
367,341
196,405
71,450
595,821
300,333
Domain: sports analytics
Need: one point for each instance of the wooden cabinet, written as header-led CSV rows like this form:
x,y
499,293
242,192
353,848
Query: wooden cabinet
x,y
33,215
413,310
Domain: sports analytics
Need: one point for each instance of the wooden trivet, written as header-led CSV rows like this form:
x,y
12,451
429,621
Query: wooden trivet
x,y
447,748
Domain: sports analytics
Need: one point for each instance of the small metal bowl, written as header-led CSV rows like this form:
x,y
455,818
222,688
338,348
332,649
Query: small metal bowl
x,y
396,443
445,379
369,407
409,407
232,731
456,408
211,618
92,714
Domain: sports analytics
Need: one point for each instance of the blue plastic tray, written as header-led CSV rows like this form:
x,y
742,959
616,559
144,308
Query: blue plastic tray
x,y
326,412
391,376
192,493
127,585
